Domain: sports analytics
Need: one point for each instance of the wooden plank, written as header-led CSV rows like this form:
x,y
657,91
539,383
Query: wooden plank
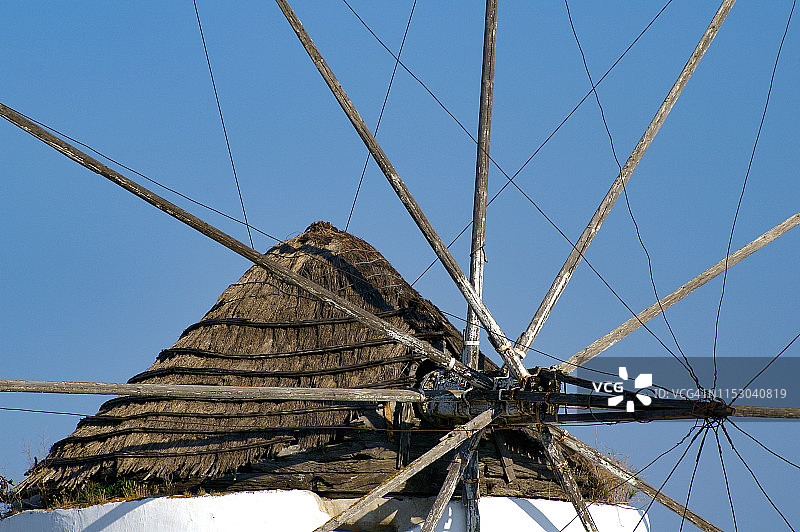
x,y
472,333
454,471
562,279
620,471
367,318
566,479
601,344
197,391
505,457
496,336
452,440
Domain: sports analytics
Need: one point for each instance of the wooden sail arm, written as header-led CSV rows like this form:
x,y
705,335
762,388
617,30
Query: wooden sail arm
x,y
477,256
363,316
200,391
565,274
561,469
496,336
454,472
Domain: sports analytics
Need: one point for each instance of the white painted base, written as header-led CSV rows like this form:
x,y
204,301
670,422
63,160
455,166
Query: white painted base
x,y
300,511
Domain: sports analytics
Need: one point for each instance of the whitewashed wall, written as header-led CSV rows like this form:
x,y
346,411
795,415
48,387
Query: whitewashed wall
x,y
300,511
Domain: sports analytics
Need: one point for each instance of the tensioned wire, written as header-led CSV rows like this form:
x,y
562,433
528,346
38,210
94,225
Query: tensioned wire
x,y
685,362
744,185
380,116
510,179
222,121
229,217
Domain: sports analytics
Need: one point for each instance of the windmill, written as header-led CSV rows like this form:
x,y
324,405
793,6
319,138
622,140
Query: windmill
x,y
521,384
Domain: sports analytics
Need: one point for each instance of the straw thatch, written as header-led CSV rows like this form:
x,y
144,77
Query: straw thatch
x,y
265,332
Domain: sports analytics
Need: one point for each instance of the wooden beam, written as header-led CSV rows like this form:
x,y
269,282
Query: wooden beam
x,y
505,457
564,275
765,412
197,391
565,477
449,442
367,318
601,344
471,493
454,471
620,471
477,255
496,336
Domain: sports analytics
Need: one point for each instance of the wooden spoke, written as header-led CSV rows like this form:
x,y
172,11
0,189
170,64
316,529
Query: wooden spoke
x,y
600,345
566,479
367,318
471,493
620,471
496,336
765,411
454,471
562,279
449,442
198,391
477,255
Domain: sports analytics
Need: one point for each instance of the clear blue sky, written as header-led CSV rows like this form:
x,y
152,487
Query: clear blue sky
x,y
95,282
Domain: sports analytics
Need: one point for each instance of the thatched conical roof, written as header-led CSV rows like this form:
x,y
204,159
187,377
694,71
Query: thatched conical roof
x,y
261,332
265,332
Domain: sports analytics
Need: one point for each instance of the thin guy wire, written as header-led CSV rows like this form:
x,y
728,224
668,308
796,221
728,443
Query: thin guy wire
x,y
510,179
184,196
730,442
637,473
741,390
380,116
685,362
770,451
691,481
222,120
744,185
212,209
546,140
153,181
725,476
661,487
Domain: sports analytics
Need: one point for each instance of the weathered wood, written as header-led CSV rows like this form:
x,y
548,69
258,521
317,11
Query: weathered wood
x,y
562,279
452,440
620,471
566,479
471,492
197,391
353,465
496,336
505,457
367,318
445,494
765,411
454,472
472,333
601,344
405,419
